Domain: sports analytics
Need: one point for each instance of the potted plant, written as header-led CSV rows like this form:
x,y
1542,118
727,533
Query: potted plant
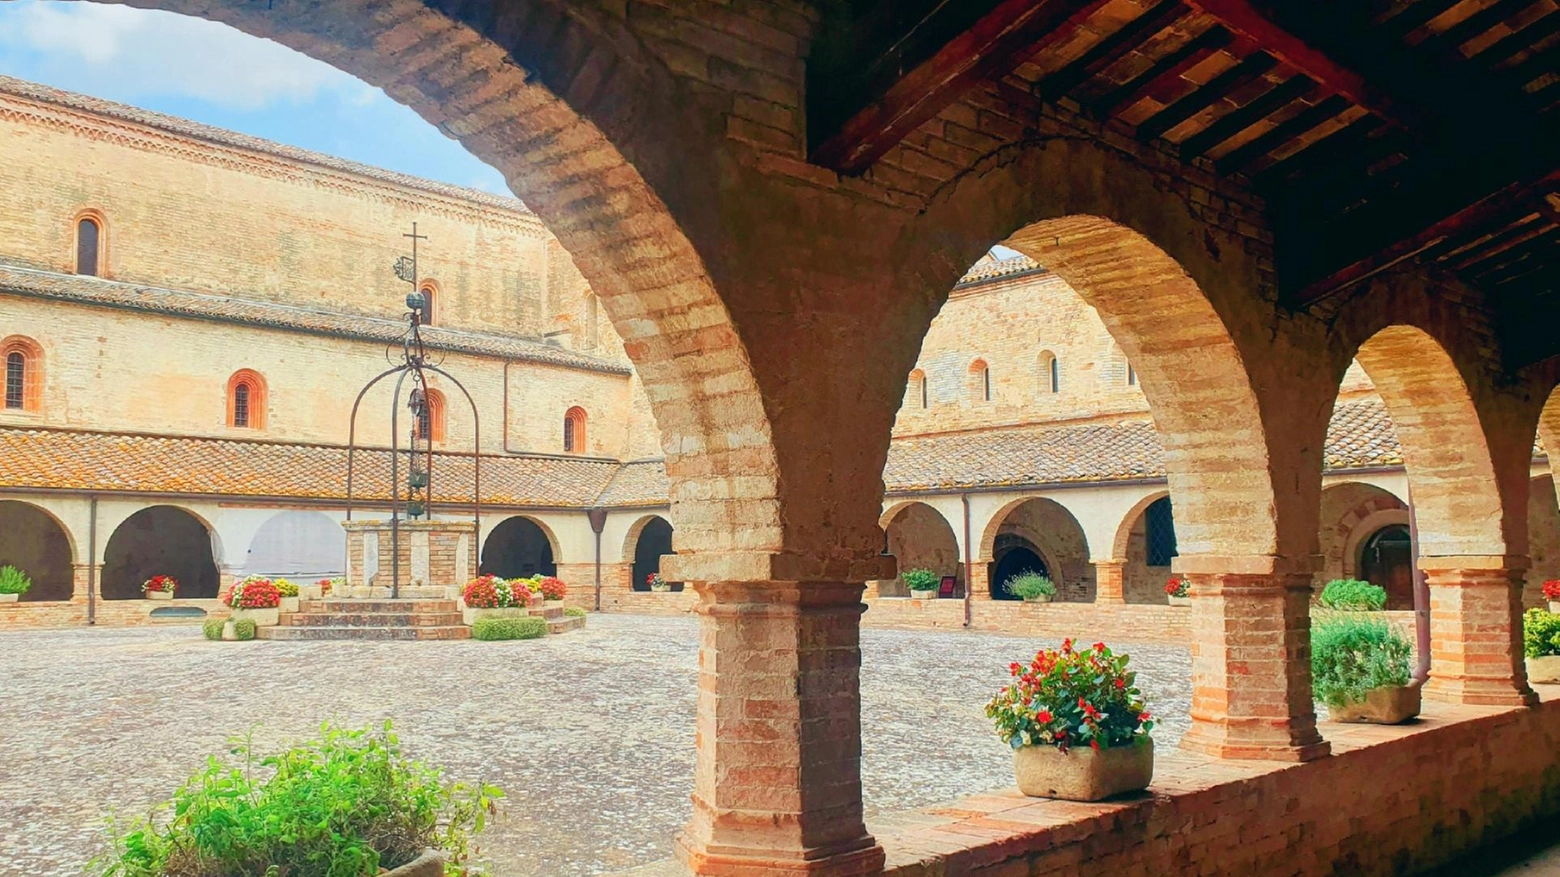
x,y
256,599
552,588
13,584
1032,587
1178,591
1541,645
657,583
489,596
1359,668
290,595
1353,595
922,583
1076,724
159,588
1552,594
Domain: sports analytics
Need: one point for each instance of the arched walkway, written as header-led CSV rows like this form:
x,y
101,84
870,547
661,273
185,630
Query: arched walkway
x,y
303,544
1039,531
648,541
35,543
1543,539
1145,546
1364,535
919,537
160,540
519,547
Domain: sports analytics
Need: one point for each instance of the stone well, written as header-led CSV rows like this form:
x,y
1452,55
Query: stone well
x,y
434,555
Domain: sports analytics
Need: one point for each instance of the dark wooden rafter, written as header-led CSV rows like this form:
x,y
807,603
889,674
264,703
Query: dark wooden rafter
x,y
1459,256
1112,48
1249,70
1166,69
1001,39
1445,43
1511,44
1242,157
1238,120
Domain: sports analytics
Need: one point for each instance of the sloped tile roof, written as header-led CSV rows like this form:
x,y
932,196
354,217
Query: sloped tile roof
x,y
109,293
989,267
639,483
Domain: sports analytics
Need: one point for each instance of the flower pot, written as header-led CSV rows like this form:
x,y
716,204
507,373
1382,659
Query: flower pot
x,y
10,598
290,604
261,617
159,595
229,632
1554,606
1179,601
923,595
660,589
1387,705
429,864
1083,773
310,592
1544,669
1038,598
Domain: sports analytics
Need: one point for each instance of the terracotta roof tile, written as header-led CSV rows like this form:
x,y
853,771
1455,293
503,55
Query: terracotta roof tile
x,y
991,268
639,483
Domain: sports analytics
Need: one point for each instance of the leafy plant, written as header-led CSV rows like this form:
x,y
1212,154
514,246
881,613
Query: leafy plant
x,y
1540,633
285,587
1353,595
656,583
345,805
244,629
1177,587
211,628
491,629
1351,654
14,581
1067,698
1029,585
574,612
492,592
920,579
254,592
552,588
167,584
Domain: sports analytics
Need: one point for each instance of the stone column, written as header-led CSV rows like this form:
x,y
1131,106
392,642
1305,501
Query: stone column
x,y
82,577
1110,581
1251,661
777,787
1476,631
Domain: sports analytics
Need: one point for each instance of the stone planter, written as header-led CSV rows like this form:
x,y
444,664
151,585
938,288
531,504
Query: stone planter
x,y
469,615
429,864
229,632
10,598
660,589
310,592
1179,601
1545,669
1039,598
159,595
1554,606
923,595
290,604
1081,773
1387,705
261,617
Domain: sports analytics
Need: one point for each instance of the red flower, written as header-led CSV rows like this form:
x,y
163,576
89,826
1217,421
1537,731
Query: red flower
x,y
1043,717
1120,683
1099,647
1015,668
1095,745
1144,716
1552,590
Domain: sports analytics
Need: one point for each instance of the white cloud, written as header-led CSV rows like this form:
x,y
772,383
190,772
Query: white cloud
x,y
127,53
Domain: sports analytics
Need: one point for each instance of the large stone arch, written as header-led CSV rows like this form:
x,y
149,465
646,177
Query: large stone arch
x,y
36,542
919,537
519,546
648,540
1352,513
160,540
1051,531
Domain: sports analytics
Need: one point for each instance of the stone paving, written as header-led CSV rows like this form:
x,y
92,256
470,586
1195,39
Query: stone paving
x,y
590,734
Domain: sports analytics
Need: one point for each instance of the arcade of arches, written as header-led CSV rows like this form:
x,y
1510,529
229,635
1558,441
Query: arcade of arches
x,y
773,254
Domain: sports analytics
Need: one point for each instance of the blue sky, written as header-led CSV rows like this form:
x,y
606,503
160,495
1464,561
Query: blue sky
x,y
214,74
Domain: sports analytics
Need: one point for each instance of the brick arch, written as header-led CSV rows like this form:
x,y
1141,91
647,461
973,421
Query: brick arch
x,y
919,536
32,369
1129,520
35,540
1457,499
558,98
1064,548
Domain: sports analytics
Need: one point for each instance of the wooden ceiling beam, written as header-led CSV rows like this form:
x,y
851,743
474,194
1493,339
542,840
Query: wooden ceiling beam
x,y
1172,66
1112,48
1244,156
1241,118
1249,70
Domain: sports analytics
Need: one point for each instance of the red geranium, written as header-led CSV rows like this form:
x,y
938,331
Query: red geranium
x,y
254,593
160,583
1552,590
1177,586
482,592
1066,696
553,588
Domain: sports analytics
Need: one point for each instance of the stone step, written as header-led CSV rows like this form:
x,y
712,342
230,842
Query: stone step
x,y
457,631
370,619
549,611
361,607
565,623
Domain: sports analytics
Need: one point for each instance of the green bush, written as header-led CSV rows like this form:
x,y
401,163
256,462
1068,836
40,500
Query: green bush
x,y
14,581
1029,585
244,629
1540,633
574,612
489,629
920,579
211,628
1351,654
346,805
1353,595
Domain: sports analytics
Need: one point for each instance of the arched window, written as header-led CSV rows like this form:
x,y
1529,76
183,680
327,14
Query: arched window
x,y
430,423
246,400
1131,375
1050,373
23,361
574,431
89,244
430,291
980,381
915,394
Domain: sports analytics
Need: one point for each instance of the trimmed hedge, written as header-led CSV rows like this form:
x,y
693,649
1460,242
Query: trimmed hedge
x,y
212,628
574,612
490,629
1353,595
244,629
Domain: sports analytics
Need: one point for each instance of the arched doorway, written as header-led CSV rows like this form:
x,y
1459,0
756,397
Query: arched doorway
x,y
1146,545
34,542
1040,535
518,547
1011,556
298,544
655,540
1386,560
919,537
161,540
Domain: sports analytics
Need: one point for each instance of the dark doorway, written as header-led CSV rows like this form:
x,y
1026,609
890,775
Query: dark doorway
x,y
1013,555
159,541
518,548
655,539
1386,560
33,542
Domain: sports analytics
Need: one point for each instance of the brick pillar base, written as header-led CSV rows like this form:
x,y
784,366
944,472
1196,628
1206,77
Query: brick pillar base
x,y
1476,631
978,580
777,785
1251,667
1110,581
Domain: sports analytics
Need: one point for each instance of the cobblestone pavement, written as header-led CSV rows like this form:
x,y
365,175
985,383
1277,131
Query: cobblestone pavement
x,y
590,734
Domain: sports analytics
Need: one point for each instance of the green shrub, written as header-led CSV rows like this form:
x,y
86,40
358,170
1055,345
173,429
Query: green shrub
x,y
1351,654
1540,633
244,629
211,628
1353,595
346,805
529,627
920,579
1029,585
574,612
14,581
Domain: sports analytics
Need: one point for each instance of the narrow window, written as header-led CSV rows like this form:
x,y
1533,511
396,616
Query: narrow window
x,y
980,381
23,360
88,238
1131,375
916,394
246,400
241,405
574,431
430,291
1056,375
1050,373
15,379
430,421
